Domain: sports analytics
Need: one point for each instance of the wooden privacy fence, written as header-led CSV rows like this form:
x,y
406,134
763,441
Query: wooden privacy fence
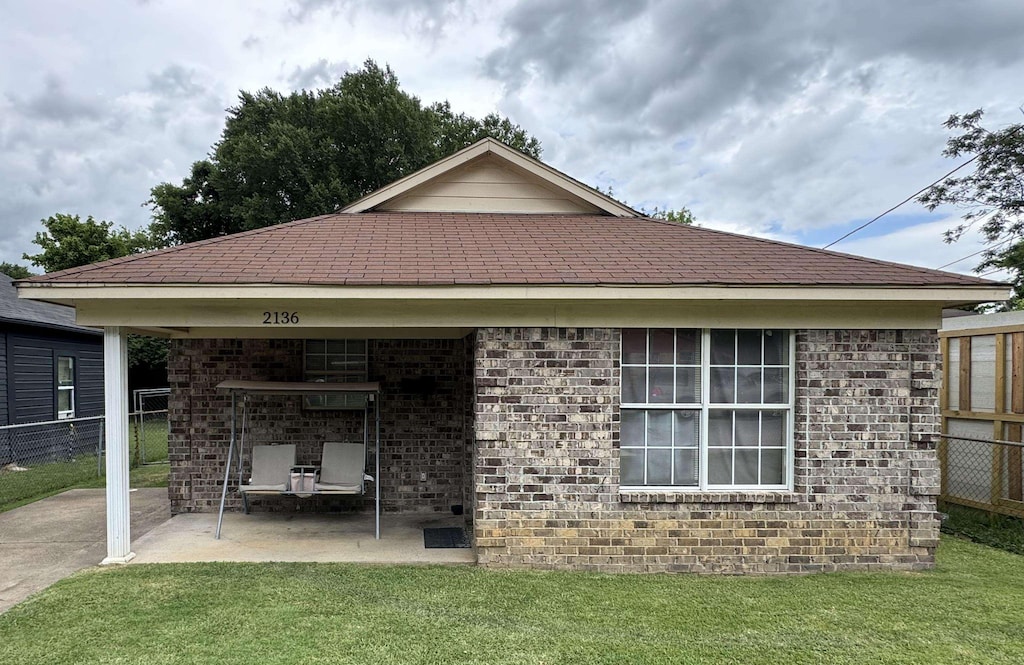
x,y
982,401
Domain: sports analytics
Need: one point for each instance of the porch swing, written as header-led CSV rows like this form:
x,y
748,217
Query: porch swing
x,y
342,468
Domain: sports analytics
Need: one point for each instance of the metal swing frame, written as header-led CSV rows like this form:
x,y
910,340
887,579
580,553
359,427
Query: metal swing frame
x,y
247,388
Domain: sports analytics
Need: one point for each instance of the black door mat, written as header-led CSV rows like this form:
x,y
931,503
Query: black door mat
x,y
445,538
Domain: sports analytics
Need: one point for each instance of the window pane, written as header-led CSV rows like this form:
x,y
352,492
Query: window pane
x,y
687,385
659,467
746,428
631,430
687,429
631,466
688,347
686,461
720,428
776,385
723,388
746,467
335,346
659,428
356,347
634,346
720,466
662,351
748,385
315,346
634,385
776,347
64,400
723,351
748,343
315,363
661,385
773,428
772,467
65,371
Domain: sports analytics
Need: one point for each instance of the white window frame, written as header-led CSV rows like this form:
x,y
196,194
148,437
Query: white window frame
x,y
70,389
342,401
705,406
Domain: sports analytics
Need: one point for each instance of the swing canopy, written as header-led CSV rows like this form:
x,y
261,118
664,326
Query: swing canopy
x,y
244,388
297,387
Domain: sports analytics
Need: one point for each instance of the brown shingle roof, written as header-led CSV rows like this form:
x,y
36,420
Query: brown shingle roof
x,y
471,248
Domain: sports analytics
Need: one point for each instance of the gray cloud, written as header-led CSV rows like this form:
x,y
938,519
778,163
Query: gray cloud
x,y
674,64
317,75
176,81
426,17
770,104
56,103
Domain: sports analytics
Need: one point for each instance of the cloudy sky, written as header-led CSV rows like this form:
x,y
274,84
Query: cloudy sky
x,y
794,119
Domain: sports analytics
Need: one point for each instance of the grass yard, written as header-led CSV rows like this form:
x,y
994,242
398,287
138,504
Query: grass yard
x,y
18,488
23,487
968,610
1002,531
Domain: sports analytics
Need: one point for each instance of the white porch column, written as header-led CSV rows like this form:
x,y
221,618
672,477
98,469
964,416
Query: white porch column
x,y
115,396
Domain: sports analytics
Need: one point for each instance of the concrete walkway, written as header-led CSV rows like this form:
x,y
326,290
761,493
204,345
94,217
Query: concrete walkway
x,y
48,540
298,537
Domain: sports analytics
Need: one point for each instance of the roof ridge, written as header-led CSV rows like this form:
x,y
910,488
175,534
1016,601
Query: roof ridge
x,y
818,250
120,260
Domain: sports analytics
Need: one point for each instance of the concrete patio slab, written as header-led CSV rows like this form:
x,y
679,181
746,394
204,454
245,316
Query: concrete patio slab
x,y
46,541
297,537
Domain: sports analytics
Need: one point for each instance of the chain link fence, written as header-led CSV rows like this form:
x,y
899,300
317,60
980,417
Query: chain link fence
x,y
984,474
42,458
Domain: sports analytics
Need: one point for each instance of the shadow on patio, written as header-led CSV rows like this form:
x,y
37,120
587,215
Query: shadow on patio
x,y
189,537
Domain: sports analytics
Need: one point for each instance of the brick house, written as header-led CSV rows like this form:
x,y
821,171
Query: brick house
x,y
600,390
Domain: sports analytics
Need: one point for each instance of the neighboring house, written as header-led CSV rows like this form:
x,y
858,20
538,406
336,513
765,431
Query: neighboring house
x,y
50,367
601,391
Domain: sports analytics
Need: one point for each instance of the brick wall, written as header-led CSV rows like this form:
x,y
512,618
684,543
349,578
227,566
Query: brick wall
x,y
426,385
546,467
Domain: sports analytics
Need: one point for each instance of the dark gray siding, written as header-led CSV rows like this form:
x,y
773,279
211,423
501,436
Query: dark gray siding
x,y
3,379
90,382
31,373
31,378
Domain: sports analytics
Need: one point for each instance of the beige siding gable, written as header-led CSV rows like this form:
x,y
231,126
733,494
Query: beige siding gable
x,y
496,179
488,184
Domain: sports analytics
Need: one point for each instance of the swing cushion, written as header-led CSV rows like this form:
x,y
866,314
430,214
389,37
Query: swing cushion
x,y
271,467
341,468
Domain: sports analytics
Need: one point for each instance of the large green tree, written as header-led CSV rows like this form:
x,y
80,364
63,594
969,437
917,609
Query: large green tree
x,y
289,156
991,196
69,242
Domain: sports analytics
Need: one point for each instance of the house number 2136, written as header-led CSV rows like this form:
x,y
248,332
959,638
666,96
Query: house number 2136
x,y
280,318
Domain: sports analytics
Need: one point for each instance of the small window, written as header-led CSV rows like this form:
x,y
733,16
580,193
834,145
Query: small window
x,y
65,387
335,361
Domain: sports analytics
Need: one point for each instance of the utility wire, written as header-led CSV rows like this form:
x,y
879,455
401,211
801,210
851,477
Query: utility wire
x,y
901,203
983,249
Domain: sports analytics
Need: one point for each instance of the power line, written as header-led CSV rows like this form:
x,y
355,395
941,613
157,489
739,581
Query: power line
x,y
901,203
983,249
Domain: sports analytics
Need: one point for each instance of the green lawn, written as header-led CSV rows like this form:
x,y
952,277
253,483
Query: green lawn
x,y
18,488
968,610
1002,531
